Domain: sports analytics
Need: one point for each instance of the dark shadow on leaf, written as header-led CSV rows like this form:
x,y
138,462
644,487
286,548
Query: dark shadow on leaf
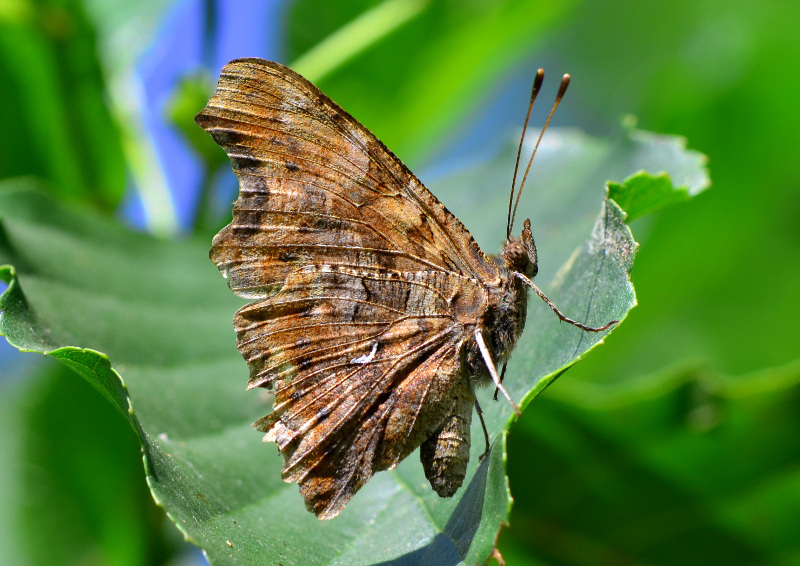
x,y
449,547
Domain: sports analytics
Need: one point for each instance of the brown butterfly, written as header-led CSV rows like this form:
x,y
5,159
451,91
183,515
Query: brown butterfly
x,y
376,314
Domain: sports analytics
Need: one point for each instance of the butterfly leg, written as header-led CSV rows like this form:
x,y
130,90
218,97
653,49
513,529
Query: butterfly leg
x,y
485,432
559,314
487,358
502,376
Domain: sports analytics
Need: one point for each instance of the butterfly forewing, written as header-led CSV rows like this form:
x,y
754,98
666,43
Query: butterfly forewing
x,y
317,187
367,286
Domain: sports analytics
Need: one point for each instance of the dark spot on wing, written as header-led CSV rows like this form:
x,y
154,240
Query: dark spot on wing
x,y
228,137
244,163
332,224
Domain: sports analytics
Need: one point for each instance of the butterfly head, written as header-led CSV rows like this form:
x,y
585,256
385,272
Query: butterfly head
x,y
520,253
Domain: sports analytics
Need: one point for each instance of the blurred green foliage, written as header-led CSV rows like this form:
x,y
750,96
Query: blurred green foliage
x,y
56,123
77,495
675,442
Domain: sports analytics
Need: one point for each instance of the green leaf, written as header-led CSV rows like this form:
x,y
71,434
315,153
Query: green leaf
x,y
642,193
569,165
116,305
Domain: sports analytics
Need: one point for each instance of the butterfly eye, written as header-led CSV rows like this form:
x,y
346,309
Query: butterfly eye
x,y
517,256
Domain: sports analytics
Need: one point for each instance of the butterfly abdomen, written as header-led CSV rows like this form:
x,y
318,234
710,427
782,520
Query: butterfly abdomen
x,y
445,454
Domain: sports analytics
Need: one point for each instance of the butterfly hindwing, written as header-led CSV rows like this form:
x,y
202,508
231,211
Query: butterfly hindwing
x,y
363,369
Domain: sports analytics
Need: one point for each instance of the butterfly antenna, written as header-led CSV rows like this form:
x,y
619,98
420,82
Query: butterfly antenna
x,y
561,90
537,85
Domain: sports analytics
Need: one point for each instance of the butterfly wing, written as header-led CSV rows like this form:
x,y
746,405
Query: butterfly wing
x,y
364,369
318,187
367,285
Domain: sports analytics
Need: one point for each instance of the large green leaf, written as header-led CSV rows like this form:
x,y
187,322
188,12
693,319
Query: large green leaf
x,y
115,305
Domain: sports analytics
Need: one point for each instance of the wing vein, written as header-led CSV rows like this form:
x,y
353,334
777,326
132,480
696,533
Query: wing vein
x,y
344,420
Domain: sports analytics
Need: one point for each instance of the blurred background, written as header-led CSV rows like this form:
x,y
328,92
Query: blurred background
x,y
676,442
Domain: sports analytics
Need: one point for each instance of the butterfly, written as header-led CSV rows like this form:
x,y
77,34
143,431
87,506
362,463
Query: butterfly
x,y
375,314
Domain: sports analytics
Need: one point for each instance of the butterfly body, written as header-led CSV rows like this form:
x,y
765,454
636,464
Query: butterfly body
x,y
445,454
367,291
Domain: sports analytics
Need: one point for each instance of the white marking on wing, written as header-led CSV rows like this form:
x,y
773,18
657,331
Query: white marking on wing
x,y
366,358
